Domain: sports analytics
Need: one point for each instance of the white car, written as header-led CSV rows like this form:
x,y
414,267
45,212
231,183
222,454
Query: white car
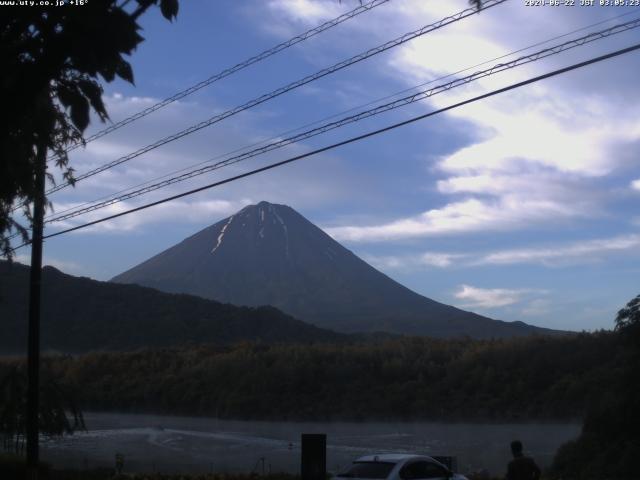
x,y
394,466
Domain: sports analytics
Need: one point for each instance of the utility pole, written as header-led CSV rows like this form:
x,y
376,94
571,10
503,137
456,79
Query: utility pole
x,y
33,350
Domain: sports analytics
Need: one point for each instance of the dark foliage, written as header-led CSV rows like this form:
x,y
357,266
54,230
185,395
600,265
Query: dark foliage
x,y
609,446
58,411
52,61
108,316
516,380
628,318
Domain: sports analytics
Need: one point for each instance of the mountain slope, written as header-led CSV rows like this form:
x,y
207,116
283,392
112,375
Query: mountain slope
x,y
80,314
269,254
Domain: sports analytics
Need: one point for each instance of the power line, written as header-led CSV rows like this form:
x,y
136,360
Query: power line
x,y
236,68
218,76
351,140
419,96
280,91
109,196
335,115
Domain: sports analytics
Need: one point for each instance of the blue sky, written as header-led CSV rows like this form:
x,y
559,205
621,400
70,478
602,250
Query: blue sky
x,y
520,207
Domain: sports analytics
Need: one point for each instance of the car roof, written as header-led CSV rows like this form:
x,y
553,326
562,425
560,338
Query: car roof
x,y
393,457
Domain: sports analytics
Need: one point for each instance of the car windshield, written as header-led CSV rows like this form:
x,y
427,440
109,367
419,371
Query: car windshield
x,y
368,470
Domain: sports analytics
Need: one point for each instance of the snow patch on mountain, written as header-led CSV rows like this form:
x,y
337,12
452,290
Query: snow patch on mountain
x,y
286,232
221,236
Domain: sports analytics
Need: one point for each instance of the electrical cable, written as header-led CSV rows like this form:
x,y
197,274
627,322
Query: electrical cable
x,y
229,71
335,115
419,96
350,140
280,91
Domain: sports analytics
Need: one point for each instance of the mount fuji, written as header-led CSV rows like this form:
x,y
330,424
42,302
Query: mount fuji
x,y
269,254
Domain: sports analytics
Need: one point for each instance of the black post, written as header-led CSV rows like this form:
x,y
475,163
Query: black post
x,y
33,351
313,465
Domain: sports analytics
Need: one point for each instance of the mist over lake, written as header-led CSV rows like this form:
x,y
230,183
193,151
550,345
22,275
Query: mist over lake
x,y
187,444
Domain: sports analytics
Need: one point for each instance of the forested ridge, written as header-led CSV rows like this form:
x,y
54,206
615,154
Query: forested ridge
x,y
499,380
107,316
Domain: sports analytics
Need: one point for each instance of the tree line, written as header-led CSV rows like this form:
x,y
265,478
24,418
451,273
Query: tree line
x,y
408,378
109,316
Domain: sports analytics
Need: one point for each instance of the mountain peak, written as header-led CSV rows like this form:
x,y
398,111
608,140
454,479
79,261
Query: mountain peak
x,y
263,205
254,225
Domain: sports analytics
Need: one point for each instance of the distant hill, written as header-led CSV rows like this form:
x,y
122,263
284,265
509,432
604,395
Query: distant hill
x,y
80,314
268,254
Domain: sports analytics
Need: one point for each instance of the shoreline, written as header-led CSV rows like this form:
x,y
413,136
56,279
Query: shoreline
x,y
350,420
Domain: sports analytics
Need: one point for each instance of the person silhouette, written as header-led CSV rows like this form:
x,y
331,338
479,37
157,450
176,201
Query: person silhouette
x,y
521,467
119,463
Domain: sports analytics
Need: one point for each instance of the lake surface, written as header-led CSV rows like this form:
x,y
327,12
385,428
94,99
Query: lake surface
x,y
171,444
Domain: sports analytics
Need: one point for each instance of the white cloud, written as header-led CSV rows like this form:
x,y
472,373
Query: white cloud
x,y
554,256
578,252
386,262
475,297
540,152
411,262
532,127
441,260
471,215
176,211
307,12
536,308
636,184
538,146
